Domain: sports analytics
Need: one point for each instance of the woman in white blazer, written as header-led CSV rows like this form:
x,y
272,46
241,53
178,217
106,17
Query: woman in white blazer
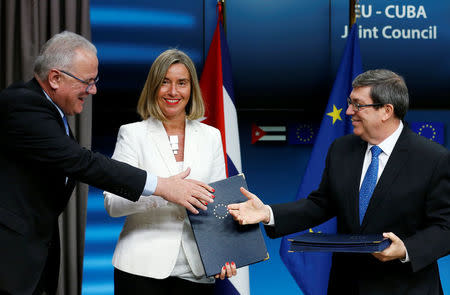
x,y
156,252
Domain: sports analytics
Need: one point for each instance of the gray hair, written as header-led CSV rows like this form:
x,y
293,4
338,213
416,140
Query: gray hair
x,y
59,51
387,87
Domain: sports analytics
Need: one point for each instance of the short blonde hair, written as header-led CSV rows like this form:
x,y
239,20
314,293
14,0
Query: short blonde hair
x,y
148,106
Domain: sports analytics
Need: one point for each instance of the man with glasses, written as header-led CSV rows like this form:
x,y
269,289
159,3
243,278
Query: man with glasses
x,y
382,179
40,162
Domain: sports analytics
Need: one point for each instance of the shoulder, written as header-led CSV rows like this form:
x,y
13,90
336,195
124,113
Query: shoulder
x,y
421,145
25,100
134,129
20,92
347,142
206,129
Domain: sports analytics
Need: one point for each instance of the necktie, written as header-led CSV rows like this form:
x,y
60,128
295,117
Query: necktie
x,y
369,182
66,125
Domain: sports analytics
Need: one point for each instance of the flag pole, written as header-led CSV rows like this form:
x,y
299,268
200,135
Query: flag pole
x,y
354,12
221,7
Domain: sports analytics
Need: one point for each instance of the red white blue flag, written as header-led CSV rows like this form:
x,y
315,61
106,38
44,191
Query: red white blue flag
x,y
217,91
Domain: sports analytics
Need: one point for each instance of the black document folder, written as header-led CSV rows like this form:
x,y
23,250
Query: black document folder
x,y
219,238
339,243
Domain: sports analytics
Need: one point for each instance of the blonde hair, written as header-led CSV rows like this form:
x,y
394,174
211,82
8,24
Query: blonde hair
x,y
148,106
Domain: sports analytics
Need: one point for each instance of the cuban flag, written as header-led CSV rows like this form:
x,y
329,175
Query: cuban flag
x,y
217,91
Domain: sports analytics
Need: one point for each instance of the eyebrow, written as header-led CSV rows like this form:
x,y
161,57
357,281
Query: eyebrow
x,y
357,100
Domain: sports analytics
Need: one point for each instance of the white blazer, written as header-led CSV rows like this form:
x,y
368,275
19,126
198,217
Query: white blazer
x,y
150,239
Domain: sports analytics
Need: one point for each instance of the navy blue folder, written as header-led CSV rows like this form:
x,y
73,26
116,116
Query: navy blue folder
x,y
219,238
339,243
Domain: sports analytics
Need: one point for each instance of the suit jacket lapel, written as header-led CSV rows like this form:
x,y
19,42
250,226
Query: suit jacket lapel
x,y
395,163
191,139
159,136
34,86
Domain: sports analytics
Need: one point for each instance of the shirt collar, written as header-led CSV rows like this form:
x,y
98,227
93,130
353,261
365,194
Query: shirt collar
x,y
59,110
388,144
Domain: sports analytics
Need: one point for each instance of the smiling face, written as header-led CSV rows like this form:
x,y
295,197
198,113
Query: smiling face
x,y
70,93
367,122
175,91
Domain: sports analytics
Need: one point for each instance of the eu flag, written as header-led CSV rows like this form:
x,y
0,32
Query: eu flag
x,y
310,269
431,130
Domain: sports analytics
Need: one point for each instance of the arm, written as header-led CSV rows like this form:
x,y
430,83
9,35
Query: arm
x,y
288,217
176,189
126,151
432,240
34,129
218,164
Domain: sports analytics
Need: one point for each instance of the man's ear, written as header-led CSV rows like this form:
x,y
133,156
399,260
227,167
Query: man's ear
x,y
388,111
54,79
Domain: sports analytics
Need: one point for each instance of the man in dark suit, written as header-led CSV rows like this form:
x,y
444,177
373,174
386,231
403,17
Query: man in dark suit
x,y
40,161
382,179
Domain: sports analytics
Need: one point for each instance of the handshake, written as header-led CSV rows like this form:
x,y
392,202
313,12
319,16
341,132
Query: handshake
x,y
193,194
188,193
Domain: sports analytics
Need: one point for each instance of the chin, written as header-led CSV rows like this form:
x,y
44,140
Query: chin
x,y
357,131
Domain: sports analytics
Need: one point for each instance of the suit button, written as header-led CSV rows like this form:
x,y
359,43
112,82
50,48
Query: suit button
x,y
180,217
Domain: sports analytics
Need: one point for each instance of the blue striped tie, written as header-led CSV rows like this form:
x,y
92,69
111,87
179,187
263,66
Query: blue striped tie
x,y
369,182
66,125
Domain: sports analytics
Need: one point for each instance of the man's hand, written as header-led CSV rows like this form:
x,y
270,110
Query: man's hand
x,y
396,250
185,192
251,211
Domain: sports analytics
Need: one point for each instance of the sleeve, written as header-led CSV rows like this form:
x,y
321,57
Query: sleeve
x,y
33,130
433,240
304,213
218,164
126,151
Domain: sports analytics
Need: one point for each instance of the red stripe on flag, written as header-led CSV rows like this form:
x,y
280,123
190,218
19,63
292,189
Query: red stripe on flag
x,y
211,84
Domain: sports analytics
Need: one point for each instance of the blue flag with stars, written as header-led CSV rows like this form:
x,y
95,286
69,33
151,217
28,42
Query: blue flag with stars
x,y
431,130
311,269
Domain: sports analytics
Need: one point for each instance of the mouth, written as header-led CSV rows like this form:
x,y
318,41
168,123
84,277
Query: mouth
x,y
172,101
355,121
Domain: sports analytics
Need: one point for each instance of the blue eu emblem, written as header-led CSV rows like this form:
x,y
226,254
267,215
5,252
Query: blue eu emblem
x,y
301,133
431,130
220,211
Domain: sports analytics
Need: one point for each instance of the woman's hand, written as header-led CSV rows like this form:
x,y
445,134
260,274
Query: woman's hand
x,y
228,270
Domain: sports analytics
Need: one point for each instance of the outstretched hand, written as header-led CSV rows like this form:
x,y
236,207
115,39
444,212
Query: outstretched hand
x,y
188,193
251,211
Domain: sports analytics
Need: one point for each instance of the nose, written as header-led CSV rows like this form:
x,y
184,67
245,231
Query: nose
x,y
173,89
349,111
92,89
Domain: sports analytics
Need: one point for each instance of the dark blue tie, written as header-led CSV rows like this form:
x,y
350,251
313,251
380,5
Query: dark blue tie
x,y
66,125
369,182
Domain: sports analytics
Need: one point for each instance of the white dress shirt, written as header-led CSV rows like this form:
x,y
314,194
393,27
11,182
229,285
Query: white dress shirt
x,y
386,146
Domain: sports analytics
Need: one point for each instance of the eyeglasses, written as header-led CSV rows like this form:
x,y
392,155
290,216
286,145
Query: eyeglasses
x,y
357,107
89,84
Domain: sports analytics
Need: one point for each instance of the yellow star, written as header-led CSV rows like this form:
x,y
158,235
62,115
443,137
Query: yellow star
x,y
335,114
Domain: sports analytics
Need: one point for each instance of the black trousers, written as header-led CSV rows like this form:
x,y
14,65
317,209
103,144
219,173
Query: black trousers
x,y
129,284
